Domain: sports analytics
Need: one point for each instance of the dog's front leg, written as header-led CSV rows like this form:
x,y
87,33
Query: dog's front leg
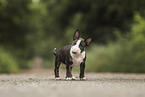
x,y
82,70
68,72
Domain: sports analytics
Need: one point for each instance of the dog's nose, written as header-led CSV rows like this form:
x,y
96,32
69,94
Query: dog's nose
x,y
74,52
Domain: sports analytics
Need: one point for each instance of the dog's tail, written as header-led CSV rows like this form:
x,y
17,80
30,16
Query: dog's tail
x,y
54,51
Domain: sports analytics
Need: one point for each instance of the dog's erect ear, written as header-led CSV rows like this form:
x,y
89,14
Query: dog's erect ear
x,y
88,40
76,35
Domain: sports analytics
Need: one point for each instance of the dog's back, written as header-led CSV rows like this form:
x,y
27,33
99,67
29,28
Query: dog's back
x,y
72,55
63,54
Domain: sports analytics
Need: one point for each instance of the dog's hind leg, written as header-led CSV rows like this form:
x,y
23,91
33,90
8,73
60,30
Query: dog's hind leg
x,y
56,69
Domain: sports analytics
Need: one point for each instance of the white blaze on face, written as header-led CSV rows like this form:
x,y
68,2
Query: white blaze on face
x,y
77,58
76,48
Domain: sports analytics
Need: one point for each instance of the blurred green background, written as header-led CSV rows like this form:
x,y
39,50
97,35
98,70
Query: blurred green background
x,y
31,29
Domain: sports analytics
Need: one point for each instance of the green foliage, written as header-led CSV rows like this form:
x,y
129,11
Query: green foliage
x,y
138,29
8,63
31,28
124,55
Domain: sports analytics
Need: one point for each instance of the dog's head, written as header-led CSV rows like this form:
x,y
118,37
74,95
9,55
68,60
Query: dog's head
x,y
79,44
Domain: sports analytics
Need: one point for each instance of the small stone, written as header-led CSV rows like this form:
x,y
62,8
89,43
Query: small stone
x,y
30,78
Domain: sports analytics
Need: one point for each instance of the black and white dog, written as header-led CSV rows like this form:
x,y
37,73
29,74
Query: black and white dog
x,y
72,55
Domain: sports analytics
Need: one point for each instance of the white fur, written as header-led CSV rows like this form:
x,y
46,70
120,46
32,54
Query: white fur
x,y
84,78
70,78
76,48
57,78
77,58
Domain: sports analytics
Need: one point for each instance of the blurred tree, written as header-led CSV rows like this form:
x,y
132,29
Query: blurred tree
x,y
98,18
13,27
31,28
127,54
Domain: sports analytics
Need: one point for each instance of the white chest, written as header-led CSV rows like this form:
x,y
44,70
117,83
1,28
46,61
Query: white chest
x,y
78,59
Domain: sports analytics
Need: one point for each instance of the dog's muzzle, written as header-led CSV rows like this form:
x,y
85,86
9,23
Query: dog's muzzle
x,y
74,52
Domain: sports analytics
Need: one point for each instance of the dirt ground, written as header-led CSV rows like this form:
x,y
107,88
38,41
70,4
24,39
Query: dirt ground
x,y
42,84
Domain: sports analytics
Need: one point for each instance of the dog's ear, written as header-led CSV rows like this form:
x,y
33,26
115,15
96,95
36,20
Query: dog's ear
x,y
88,40
76,35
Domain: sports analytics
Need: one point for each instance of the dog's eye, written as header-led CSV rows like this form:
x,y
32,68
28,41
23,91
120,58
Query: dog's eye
x,y
82,44
74,43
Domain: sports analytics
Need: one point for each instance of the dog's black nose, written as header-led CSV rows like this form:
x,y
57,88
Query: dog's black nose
x,y
74,52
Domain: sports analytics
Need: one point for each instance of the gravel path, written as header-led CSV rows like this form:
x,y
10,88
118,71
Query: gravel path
x,y
42,84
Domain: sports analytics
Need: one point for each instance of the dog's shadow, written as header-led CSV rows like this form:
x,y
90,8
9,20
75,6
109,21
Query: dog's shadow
x,y
68,80
101,80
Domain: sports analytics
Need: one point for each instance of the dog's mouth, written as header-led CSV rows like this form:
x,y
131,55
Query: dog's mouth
x,y
74,52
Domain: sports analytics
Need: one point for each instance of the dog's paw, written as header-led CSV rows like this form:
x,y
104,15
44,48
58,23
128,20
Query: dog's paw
x,y
73,78
57,78
68,78
84,78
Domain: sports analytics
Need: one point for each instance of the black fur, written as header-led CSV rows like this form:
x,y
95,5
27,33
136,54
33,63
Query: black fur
x,y
63,56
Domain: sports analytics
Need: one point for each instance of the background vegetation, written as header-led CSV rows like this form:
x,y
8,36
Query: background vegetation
x,y
30,29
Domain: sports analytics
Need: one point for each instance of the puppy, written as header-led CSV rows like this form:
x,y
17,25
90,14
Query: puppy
x,y
72,55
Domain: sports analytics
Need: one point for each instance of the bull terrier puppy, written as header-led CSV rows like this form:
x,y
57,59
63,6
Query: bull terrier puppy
x,y
72,55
